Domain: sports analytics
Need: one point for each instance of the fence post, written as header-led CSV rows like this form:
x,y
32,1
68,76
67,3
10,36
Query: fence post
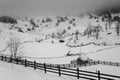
x,y
16,60
59,70
25,62
34,65
10,59
45,68
78,73
98,75
117,63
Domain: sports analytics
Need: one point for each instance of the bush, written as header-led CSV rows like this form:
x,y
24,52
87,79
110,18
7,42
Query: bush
x,y
80,61
33,23
61,41
8,19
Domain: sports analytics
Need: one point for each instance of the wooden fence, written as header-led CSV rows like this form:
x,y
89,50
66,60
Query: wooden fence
x,y
61,70
107,63
90,63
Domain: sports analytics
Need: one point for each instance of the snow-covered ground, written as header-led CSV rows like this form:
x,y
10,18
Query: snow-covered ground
x,y
56,51
45,49
106,69
112,55
10,71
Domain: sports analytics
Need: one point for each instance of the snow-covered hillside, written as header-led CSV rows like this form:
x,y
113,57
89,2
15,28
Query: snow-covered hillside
x,y
55,36
98,27
60,40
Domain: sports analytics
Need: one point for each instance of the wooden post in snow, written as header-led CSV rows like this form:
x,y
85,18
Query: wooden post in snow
x,y
34,65
78,73
59,70
98,75
45,68
25,62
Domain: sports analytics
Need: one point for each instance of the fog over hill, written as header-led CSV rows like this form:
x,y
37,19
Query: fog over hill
x,y
52,7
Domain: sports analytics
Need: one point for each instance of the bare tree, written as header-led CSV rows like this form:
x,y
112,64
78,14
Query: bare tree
x,y
118,28
97,30
15,47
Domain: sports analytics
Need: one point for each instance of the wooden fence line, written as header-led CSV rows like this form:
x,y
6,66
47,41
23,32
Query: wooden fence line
x,y
108,63
90,63
60,70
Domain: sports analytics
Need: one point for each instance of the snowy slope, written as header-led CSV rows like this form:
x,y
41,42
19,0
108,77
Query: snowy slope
x,y
47,49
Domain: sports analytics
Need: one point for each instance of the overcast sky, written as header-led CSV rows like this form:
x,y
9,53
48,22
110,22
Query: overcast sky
x,y
49,7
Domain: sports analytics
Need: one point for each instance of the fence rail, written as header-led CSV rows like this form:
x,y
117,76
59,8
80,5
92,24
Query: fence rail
x,y
108,63
61,70
90,63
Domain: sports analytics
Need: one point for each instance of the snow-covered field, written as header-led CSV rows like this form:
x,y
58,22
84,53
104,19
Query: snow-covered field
x,y
10,71
112,55
48,52
103,69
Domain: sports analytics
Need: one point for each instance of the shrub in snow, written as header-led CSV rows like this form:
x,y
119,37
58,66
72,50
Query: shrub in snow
x,y
80,61
61,41
33,23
